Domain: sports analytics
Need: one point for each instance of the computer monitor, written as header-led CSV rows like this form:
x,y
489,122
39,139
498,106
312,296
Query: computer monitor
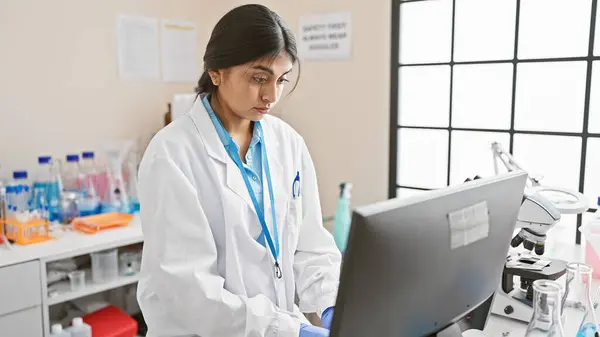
x,y
417,266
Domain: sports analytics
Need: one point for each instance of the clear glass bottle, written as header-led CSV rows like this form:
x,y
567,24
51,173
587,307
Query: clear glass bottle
x,y
546,319
578,311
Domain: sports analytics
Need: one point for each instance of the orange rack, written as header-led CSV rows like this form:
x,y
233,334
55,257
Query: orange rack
x,y
25,233
95,223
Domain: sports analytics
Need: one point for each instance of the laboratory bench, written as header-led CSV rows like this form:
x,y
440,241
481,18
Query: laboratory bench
x,y
25,299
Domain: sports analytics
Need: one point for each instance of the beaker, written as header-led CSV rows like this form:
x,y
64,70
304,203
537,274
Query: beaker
x,y
547,301
578,311
77,279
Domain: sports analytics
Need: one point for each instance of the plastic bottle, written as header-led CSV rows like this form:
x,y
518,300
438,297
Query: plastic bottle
x,y
79,328
71,174
134,202
342,217
48,180
57,331
18,197
90,201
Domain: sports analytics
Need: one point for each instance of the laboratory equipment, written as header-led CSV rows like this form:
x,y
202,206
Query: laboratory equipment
x,y
578,310
540,211
547,302
68,207
76,279
409,268
105,266
90,200
92,224
129,263
132,170
110,321
79,328
591,234
341,218
57,331
48,179
18,195
115,198
71,174
39,201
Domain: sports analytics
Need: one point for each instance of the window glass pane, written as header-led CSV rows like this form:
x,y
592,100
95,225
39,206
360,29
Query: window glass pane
x,y
563,233
550,96
555,158
597,34
554,28
425,31
484,30
424,96
594,118
472,155
422,158
482,96
407,192
592,171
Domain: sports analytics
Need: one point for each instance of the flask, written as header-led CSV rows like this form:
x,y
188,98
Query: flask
x,y
578,311
546,319
342,218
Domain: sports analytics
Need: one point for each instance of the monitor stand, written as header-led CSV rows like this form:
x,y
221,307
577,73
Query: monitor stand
x,y
451,331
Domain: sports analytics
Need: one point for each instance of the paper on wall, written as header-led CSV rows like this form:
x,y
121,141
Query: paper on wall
x,y
178,41
137,48
325,36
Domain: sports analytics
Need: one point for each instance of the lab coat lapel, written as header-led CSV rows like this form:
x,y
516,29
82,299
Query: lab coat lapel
x,y
217,152
272,145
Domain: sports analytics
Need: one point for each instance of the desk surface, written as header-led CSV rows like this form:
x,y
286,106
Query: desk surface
x,y
69,243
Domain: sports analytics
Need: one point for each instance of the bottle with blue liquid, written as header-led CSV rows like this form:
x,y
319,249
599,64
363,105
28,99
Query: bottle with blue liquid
x,y
46,188
342,217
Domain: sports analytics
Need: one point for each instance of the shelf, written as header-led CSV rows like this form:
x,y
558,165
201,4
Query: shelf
x,y
64,293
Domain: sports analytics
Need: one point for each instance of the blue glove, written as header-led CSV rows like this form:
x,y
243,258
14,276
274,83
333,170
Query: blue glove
x,y
312,331
327,317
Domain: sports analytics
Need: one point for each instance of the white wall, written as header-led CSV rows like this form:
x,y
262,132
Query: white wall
x,y
59,86
60,91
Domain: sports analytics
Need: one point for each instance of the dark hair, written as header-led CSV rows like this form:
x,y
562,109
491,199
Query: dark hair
x,y
245,34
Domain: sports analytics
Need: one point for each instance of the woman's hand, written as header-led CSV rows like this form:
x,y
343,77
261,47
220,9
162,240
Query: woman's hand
x,y
327,318
312,331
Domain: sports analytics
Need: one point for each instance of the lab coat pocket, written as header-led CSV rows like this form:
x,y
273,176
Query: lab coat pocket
x,y
294,221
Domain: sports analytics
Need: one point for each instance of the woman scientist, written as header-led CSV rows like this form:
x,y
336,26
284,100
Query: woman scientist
x,y
229,201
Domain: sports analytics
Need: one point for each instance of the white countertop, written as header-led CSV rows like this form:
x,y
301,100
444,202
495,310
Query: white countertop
x,y
71,243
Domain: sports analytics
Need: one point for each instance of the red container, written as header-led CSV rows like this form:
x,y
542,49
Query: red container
x,y
111,322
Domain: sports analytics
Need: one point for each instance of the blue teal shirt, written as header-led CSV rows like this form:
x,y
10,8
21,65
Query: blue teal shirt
x,y
253,165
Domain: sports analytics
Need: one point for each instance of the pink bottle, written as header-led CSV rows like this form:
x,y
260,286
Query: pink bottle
x,y
592,236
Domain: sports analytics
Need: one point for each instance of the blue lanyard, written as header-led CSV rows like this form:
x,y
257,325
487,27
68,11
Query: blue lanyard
x,y
233,153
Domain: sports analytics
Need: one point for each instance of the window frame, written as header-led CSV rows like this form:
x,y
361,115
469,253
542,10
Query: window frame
x,y
395,127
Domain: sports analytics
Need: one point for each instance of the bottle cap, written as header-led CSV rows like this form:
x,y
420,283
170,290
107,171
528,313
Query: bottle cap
x,y
44,159
57,328
87,155
72,158
20,175
598,201
77,321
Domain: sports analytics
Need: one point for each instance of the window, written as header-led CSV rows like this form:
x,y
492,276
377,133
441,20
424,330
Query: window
x,y
523,73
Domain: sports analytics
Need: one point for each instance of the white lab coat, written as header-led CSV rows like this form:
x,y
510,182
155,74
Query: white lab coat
x,y
203,272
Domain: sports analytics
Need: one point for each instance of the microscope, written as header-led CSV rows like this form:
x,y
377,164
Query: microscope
x,y
540,211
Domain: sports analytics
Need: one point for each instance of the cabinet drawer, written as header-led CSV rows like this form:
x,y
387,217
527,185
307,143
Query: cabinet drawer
x,y
27,322
26,278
